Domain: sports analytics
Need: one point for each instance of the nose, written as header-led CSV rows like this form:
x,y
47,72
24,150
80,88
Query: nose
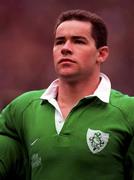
x,y
67,48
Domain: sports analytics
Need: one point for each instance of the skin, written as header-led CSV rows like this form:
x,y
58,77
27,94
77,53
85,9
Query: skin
x,y
77,62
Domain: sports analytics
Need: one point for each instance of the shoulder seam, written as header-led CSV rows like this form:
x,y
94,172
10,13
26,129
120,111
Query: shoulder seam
x,y
125,117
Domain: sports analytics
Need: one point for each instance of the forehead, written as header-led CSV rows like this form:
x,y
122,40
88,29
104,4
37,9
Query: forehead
x,y
74,27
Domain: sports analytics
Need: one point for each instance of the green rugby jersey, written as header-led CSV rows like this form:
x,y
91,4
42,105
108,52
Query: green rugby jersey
x,y
12,162
92,145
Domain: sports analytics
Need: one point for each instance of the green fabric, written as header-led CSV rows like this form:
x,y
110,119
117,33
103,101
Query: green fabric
x,y
67,156
11,159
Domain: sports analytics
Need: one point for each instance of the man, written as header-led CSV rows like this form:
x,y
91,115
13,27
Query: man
x,y
79,128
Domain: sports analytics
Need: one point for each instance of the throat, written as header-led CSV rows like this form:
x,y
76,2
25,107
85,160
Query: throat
x,y
65,109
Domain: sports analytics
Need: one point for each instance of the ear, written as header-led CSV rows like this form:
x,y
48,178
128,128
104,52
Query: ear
x,y
103,53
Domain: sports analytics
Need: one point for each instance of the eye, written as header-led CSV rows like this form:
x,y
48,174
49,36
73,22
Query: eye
x,y
79,41
59,41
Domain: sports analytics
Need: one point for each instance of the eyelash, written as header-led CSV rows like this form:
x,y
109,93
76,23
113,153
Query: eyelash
x,y
59,42
76,41
79,42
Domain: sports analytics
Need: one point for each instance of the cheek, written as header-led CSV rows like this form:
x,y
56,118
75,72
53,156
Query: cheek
x,y
56,57
85,56
89,58
56,53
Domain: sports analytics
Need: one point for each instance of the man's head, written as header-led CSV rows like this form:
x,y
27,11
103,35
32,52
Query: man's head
x,y
99,29
80,45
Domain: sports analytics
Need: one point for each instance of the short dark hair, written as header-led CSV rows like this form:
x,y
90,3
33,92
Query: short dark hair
x,y
99,29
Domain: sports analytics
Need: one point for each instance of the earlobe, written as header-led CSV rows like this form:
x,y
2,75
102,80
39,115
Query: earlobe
x,y
103,54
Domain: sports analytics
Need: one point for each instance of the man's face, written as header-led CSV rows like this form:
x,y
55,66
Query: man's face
x,y
75,54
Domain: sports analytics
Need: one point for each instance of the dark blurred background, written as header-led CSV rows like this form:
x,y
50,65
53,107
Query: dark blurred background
x,y
26,40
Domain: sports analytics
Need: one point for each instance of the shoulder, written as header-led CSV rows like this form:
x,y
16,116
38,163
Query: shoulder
x,y
24,100
120,99
122,102
30,95
123,106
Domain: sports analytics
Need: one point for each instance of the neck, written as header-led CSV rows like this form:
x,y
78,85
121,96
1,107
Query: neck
x,y
70,93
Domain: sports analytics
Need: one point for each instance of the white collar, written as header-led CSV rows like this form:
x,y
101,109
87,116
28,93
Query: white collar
x,y
102,91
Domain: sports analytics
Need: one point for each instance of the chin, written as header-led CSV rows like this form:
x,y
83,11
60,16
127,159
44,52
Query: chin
x,y
68,77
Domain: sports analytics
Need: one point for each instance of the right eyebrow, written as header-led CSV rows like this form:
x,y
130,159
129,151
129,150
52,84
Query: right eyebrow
x,y
59,38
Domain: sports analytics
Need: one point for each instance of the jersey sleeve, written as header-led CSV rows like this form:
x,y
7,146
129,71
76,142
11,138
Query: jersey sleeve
x,y
12,160
129,162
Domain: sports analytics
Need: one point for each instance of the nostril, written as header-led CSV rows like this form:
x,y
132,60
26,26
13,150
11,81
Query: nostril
x,y
66,51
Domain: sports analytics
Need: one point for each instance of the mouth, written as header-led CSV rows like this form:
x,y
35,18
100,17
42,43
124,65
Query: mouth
x,y
66,60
